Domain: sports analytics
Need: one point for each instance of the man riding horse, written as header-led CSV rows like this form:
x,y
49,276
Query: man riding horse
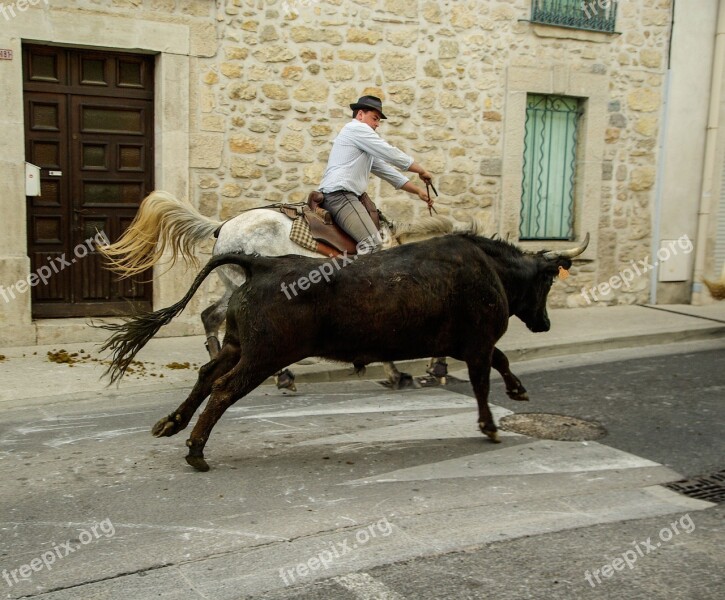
x,y
356,152
166,226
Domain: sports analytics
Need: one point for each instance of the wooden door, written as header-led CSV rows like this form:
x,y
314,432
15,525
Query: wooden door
x,y
89,127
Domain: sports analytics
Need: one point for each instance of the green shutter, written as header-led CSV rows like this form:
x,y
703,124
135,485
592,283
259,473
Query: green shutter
x,y
547,201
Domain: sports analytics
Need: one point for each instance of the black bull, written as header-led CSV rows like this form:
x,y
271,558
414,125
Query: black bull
x,y
448,296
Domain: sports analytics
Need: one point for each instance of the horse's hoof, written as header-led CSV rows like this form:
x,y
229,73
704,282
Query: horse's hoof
x,y
439,370
519,394
444,380
166,427
405,381
198,463
285,380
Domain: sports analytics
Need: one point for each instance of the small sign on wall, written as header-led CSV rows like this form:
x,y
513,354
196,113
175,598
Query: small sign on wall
x,y
6,54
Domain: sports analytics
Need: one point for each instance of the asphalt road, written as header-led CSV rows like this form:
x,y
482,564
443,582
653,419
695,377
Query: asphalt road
x,y
351,491
669,408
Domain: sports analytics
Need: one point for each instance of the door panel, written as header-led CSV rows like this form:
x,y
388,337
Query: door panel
x,y
89,126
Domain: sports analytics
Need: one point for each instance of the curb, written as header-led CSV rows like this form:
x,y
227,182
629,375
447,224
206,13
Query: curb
x,y
323,373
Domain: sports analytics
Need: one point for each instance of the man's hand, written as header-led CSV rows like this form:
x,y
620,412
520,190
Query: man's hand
x,y
422,173
423,195
411,188
426,177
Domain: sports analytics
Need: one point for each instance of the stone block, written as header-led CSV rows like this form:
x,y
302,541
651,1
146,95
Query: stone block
x,y
491,167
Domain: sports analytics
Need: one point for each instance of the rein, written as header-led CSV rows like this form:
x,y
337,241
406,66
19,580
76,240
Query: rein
x,y
428,188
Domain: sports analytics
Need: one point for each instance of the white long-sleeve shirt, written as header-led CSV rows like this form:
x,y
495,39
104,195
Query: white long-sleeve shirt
x,y
358,151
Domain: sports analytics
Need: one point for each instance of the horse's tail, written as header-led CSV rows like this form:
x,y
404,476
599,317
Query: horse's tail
x,y
134,333
162,222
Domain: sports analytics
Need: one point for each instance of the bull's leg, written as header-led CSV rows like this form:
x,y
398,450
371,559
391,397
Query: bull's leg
x,y
212,318
397,379
226,391
480,374
438,368
210,372
514,388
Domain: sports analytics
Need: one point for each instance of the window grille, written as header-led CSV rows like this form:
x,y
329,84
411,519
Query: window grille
x,y
594,15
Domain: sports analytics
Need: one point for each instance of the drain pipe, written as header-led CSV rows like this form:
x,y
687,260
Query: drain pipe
x,y
708,169
657,217
661,163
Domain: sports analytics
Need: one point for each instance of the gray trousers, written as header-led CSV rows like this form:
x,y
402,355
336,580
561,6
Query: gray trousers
x,y
352,217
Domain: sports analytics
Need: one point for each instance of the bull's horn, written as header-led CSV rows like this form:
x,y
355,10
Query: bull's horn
x,y
569,253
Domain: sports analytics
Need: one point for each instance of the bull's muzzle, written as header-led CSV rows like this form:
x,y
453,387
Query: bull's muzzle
x,y
540,327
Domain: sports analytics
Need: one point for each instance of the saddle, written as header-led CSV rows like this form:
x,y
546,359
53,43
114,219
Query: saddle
x,y
315,230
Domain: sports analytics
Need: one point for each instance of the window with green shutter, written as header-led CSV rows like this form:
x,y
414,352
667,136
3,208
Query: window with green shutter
x,y
594,15
547,201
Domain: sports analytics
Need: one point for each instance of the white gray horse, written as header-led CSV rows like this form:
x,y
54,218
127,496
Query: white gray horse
x,y
164,224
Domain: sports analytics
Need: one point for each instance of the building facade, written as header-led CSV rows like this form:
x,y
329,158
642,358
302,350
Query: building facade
x,y
543,119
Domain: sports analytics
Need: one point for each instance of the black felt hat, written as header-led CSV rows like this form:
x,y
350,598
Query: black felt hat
x,y
370,102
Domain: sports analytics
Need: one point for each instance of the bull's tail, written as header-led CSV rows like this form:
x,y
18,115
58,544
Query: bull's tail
x,y
162,222
134,333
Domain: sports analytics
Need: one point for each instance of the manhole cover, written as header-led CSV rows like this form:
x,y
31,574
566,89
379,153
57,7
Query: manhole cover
x,y
552,427
705,487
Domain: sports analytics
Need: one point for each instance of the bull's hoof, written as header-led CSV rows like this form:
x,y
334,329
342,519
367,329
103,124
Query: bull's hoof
x,y
490,432
166,427
285,380
197,462
518,394
493,436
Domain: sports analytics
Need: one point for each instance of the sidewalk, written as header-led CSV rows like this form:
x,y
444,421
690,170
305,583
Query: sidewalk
x,y
29,376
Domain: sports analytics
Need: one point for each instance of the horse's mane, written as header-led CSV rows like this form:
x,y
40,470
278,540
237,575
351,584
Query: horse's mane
x,y
425,227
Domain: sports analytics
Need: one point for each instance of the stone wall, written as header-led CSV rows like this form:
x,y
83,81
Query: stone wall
x,y
250,94
269,104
